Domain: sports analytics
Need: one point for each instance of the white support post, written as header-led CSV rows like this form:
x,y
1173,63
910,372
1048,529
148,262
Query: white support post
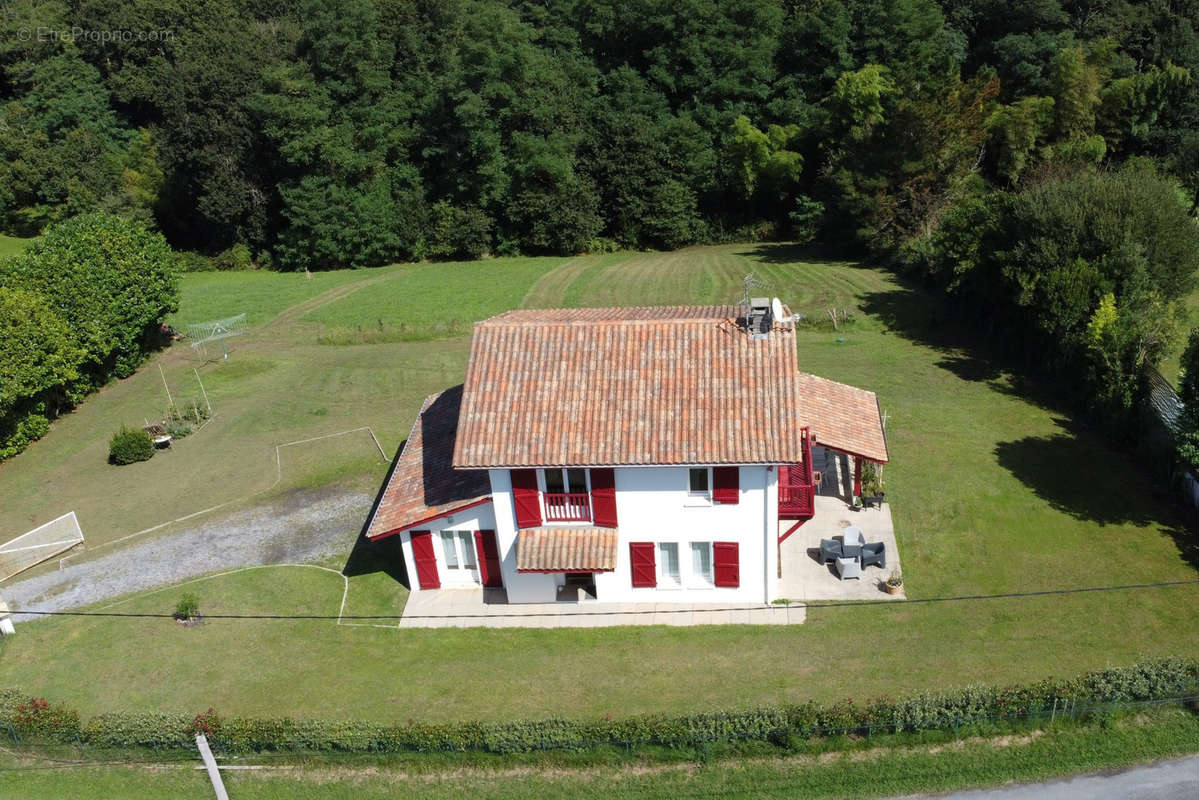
x,y
214,774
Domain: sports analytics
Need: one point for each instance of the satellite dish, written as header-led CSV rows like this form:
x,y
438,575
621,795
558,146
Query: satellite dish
x,y
776,308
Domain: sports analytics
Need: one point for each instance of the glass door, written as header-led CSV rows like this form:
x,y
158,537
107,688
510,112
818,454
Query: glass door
x,y
461,561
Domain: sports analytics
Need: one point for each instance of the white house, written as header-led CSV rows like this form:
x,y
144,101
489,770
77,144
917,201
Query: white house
x,y
621,454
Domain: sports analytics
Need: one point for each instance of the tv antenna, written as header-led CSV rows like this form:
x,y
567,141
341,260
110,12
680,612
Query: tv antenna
x,y
749,283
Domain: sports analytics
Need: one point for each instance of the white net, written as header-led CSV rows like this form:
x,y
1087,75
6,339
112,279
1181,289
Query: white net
x,y
41,543
203,332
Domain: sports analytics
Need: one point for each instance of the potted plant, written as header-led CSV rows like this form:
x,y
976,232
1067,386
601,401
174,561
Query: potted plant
x,y
894,582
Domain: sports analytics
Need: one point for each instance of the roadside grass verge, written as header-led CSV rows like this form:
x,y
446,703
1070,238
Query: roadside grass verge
x,y
837,769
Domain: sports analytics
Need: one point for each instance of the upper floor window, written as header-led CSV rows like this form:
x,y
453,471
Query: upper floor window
x,y
565,498
565,481
699,485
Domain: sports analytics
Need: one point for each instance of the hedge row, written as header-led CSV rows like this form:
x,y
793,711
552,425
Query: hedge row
x,y
1144,681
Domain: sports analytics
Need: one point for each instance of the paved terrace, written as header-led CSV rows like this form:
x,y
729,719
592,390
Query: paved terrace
x,y
805,578
488,608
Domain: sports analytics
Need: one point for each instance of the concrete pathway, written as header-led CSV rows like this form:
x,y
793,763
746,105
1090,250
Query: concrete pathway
x,y
1177,779
471,608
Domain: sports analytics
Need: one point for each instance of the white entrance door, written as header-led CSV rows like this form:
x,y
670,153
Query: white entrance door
x,y
461,560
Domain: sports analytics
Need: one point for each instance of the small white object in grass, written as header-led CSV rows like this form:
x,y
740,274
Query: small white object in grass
x,y
6,627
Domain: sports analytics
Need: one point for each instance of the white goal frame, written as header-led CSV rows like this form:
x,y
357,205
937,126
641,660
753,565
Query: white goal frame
x,y
40,544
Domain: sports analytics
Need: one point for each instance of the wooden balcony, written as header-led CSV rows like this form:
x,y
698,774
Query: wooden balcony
x,y
797,490
797,502
568,507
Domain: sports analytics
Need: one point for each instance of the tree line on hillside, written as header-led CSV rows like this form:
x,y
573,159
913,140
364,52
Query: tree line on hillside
x,y
1039,163
359,132
80,306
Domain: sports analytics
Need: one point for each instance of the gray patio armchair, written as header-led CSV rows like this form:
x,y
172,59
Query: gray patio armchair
x,y
853,539
849,568
874,553
830,550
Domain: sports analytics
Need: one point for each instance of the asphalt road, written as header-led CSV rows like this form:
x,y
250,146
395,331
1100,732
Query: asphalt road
x,y
1176,779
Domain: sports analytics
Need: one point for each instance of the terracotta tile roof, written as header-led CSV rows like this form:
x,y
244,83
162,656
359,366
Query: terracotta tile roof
x,y
842,417
611,386
423,484
566,550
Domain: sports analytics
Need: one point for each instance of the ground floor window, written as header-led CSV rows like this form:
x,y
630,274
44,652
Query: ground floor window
x,y
459,550
668,565
701,563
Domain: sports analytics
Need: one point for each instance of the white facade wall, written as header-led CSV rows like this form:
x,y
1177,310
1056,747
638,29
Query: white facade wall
x,y
653,505
479,518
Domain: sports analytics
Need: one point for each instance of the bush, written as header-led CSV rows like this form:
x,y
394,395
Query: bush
x,y
129,445
463,233
35,718
187,607
191,261
178,429
237,257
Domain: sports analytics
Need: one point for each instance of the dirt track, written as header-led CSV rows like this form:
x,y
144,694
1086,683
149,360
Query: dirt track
x,y
301,527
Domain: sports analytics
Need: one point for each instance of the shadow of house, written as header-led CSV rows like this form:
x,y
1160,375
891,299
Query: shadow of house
x,y
386,555
421,485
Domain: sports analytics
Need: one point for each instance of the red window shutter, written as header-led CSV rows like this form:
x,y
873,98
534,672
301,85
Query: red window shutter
x,y
641,555
526,498
489,559
726,486
727,563
603,497
426,561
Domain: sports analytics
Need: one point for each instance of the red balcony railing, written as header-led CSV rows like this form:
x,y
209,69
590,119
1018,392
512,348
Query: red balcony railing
x,y
572,507
797,502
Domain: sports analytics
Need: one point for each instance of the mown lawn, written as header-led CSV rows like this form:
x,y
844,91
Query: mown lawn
x,y
11,245
992,491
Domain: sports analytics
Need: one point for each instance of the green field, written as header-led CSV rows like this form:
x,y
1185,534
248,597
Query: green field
x,y
992,491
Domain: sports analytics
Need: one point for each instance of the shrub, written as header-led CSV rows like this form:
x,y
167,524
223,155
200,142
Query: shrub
x,y
872,486
37,719
190,261
129,445
237,257
187,607
458,232
177,429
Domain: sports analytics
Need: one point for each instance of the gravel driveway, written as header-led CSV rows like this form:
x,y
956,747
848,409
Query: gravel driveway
x,y
301,527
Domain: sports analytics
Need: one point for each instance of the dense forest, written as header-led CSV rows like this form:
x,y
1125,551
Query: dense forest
x,y
1037,160
360,132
